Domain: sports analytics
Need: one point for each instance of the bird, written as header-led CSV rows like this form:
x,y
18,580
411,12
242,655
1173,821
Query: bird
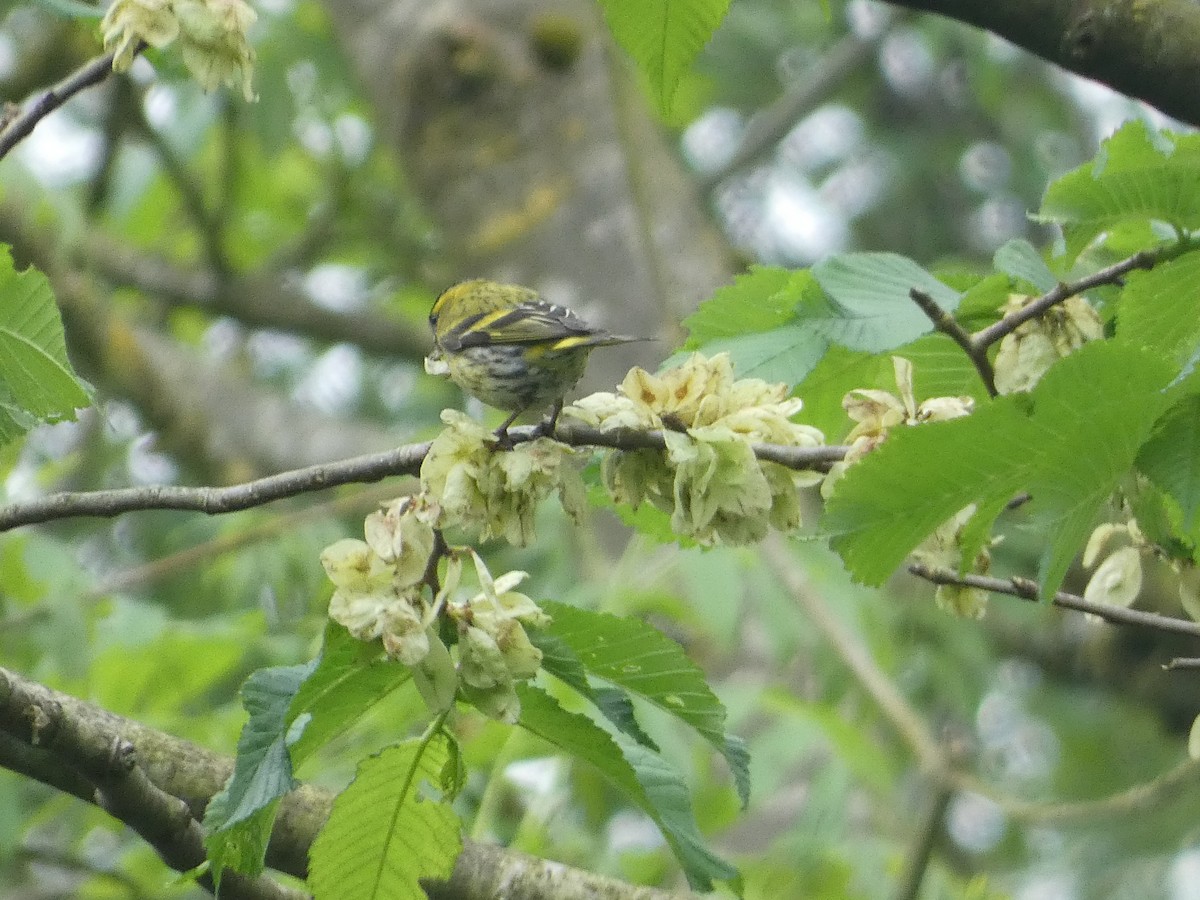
x,y
506,347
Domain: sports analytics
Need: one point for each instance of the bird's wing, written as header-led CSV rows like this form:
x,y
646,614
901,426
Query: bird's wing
x,y
528,323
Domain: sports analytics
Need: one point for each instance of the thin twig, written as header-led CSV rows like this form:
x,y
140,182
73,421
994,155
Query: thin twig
x,y
949,326
1028,590
405,460
1146,259
1183,662
1138,798
909,886
92,72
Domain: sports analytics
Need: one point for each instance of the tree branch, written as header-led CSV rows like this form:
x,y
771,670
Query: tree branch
x,y
192,774
107,761
949,326
1113,274
92,72
1150,56
1028,590
405,460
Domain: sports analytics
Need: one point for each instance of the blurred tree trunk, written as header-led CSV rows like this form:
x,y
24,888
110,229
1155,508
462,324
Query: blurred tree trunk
x,y
535,154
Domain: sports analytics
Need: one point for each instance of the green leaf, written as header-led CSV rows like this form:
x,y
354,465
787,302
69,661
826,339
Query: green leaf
x,y
639,658
384,833
754,321
560,661
643,775
663,37
1019,259
872,309
36,378
1138,175
239,819
1160,308
1171,458
350,677
1070,443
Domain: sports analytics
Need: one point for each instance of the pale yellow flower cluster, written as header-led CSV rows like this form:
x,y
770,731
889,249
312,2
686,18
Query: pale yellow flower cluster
x,y
1026,354
494,494
212,36
379,594
708,479
876,412
943,550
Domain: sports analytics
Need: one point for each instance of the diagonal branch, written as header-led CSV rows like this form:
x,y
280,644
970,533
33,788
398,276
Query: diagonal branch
x,y
33,716
92,72
949,326
182,771
405,460
1028,590
1113,274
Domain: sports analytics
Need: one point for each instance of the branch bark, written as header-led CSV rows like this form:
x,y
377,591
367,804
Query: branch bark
x,y
1145,51
57,739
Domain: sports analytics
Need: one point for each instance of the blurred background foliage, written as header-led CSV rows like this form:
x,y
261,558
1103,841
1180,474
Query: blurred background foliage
x,y
246,285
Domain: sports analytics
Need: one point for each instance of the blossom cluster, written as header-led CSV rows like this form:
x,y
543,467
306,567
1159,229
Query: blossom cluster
x,y
494,494
1033,347
709,478
212,37
379,594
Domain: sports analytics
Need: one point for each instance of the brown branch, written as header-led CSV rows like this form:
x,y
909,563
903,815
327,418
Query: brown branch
x,y
266,299
1113,274
1183,662
92,72
192,774
1155,58
917,861
1028,590
32,715
949,326
405,460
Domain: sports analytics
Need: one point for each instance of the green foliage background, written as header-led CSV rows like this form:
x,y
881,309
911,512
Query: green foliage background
x,y
163,616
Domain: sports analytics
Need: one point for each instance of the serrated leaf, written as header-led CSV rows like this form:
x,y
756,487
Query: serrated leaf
x,y
642,660
663,37
1138,175
1069,444
1161,308
384,834
1171,458
1019,259
239,819
754,321
350,677
872,307
643,775
560,661
36,378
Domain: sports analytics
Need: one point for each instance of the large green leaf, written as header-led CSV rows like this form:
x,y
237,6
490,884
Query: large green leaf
x,y
351,677
640,772
1171,458
1161,308
239,819
385,833
664,37
1069,444
754,321
293,710
872,307
1138,175
641,659
36,379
